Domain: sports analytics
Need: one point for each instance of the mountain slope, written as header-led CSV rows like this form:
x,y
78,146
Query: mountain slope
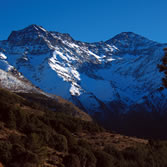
x,y
13,80
101,77
31,135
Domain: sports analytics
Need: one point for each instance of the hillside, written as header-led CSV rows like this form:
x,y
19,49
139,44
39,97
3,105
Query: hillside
x,y
31,135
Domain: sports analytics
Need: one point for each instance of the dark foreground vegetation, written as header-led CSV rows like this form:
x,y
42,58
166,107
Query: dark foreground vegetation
x,y
31,135
142,124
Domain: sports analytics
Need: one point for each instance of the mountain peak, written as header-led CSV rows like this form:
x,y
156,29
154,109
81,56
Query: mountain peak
x,y
130,39
34,27
129,36
125,36
27,35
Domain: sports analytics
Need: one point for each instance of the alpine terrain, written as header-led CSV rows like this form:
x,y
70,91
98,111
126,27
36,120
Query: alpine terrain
x,y
109,80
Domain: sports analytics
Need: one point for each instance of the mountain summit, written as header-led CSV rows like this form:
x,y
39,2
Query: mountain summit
x,y
99,77
29,34
131,42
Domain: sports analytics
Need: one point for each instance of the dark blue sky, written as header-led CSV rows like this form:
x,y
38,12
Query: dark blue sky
x,y
87,20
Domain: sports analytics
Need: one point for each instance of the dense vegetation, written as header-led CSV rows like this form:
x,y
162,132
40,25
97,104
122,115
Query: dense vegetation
x,y
163,68
36,136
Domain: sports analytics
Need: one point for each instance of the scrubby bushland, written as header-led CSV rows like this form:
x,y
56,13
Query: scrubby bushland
x,y
34,134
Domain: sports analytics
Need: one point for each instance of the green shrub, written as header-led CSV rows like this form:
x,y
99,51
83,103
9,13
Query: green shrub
x,y
84,144
104,159
71,160
59,142
5,152
11,120
86,157
113,152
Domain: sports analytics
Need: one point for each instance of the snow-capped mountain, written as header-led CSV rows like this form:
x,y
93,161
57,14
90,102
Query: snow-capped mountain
x,y
102,76
13,80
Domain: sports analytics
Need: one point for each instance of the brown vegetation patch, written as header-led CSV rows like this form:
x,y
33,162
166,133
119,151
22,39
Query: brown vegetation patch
x,y
102,139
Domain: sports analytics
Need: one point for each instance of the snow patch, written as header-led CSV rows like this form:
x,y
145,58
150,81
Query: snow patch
x,y
2,56
110,59
75,89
